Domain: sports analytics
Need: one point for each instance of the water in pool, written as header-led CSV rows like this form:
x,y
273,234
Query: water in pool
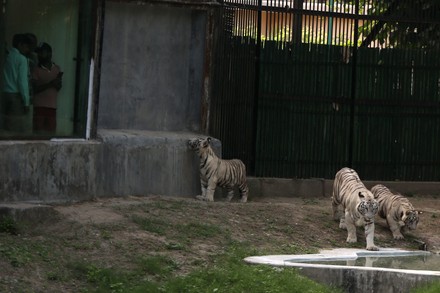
x,y
408,262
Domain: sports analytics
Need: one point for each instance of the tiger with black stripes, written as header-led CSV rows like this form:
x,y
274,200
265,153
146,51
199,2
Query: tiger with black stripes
x,y
358,206
218,172
398,211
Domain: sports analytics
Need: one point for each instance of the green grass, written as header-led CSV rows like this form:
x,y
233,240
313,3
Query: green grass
x,y
156,226
227,273
8,225
199,230
18,256
433,287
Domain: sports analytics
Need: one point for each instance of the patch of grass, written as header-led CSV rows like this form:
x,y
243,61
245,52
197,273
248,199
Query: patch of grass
x,y
226,272
293,248
17,255
175,246
433,287
158,205
83,246
156,226
8,225
231,274
106,234
199,230
310,201
157,265
101,279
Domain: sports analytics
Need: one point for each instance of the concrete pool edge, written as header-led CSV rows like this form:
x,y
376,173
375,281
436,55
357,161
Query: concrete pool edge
x,y
354,279
296,260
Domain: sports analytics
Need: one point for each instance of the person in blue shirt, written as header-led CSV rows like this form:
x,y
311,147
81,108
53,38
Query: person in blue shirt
x,y
16,96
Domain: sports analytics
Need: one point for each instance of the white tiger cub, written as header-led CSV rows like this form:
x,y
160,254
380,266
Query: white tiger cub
x,y
217,172
358,205
396,209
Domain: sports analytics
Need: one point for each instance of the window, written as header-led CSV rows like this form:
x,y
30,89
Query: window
x,y
67,26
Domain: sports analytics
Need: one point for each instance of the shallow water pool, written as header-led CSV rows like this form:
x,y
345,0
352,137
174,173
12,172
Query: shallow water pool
x,y
430,262
386,258
358,270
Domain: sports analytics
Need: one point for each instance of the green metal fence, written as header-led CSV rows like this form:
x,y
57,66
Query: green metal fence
x,y
304,88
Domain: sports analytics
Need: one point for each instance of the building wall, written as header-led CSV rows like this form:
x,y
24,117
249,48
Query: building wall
x,y
152,62
150,92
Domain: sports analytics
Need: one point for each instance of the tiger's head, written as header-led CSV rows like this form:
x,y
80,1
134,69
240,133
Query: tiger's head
x,y
410,218
199,143
368,206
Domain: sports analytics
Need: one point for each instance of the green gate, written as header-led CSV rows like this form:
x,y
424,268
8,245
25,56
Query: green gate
x,y
304,88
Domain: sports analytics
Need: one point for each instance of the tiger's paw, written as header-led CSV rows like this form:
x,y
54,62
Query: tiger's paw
x,y
201,198
373,248
244,199
351,239
342,226
398,236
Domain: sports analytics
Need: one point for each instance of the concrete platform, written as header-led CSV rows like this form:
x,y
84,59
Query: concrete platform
x,y
119,163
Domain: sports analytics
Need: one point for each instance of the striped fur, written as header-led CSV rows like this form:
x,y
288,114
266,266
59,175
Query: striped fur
x,y
357,203
217,172
396,209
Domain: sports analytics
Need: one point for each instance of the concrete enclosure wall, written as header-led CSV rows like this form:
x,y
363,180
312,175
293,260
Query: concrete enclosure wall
x,y
119,163
152,64
149,105
48,171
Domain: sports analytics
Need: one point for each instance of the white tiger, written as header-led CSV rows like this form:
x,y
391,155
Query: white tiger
x,y
358,205
217,172
396,209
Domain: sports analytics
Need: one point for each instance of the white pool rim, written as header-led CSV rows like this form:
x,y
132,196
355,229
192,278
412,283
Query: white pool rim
x,y
339,254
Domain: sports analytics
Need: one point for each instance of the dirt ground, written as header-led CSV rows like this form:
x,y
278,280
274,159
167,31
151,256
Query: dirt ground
x,y
303,221
103,232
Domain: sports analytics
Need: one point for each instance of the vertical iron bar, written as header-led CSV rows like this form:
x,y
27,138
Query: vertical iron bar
x,y
330,24
256,90
353,84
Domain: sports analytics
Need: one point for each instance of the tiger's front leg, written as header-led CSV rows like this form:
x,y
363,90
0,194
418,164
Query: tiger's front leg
x,y
203,187
395,228
351,229
210,190
342,224
369,234
336,210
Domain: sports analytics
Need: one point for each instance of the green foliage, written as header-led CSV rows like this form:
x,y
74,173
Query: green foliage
x,y
227,273
8,225
433,287
111,279
422,32
156,226
200,230
175,246
157,265
18,255
231,274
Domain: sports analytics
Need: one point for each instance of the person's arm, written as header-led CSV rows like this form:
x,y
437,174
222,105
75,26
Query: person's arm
x,y
23,81
55,83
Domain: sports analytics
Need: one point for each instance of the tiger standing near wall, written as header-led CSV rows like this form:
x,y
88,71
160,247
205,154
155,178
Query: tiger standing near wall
x,y
358,206
217,172
396,209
